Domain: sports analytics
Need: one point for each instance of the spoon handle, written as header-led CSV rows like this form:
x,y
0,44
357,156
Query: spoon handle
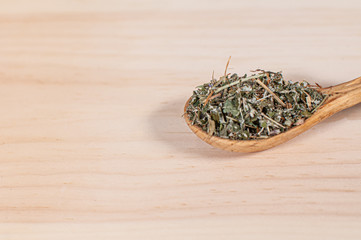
x,y
344,87
344,95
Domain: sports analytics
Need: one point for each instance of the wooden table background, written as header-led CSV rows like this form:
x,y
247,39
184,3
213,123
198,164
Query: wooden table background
x,y
93,146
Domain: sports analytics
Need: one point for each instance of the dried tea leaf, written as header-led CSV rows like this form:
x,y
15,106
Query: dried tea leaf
x,y
250,107
229,107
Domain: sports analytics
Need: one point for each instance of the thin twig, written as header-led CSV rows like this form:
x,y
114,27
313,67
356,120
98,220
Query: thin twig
x,y
278,124
232,119
238,81
215,96
260,131
268,78
319,105
273,94
225,71
308,100
209,96
262,136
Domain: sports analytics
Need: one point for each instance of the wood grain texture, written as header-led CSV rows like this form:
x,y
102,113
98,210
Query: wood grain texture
x,y
93,145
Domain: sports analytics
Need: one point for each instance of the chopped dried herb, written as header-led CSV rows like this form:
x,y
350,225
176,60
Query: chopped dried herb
x,y
252,107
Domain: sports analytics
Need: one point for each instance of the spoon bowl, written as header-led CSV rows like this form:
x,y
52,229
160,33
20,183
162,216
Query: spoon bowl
x,y
340,97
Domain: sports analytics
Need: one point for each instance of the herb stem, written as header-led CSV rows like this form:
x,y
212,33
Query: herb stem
x,y
215,96
225,71
308,100
270,91
238,81
262,136
319,105
209,96
231,118
278,124
260,131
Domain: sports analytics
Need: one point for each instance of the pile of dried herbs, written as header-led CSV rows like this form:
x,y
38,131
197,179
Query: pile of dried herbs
x,y
252,107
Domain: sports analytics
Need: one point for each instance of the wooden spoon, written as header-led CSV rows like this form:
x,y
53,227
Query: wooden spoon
x,y
340,97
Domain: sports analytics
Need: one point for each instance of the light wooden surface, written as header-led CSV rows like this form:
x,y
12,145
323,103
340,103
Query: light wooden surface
x,y
93,145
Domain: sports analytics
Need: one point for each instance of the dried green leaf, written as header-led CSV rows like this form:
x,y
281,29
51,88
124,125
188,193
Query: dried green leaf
x,y
249,107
